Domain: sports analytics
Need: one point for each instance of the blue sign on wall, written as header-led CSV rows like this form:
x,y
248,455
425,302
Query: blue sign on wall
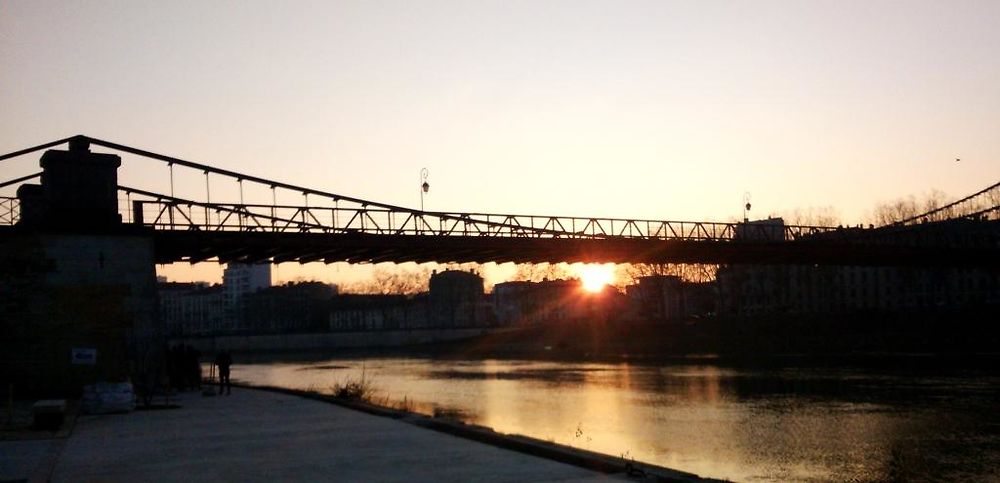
x,y
85,356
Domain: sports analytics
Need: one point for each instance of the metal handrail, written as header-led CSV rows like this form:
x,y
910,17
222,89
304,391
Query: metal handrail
x,y
10,211
930,214
179,214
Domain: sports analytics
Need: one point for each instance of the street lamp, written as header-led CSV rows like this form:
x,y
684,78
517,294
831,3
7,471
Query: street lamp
x,y
424,186
746,207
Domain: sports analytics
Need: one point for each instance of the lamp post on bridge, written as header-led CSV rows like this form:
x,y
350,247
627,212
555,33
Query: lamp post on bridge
x,y
424,186
746,207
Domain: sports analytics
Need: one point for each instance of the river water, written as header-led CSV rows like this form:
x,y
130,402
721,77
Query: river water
x,y
743,424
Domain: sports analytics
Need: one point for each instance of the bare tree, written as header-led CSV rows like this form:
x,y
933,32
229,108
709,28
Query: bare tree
x,y
536,272
393,281
887,213
933,200
689,272
465,267
993,199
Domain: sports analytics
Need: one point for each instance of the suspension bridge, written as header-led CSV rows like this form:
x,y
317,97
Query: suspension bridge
x,y
330,227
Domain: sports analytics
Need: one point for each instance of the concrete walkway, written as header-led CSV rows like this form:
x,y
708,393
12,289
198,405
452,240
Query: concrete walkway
x,y
264,436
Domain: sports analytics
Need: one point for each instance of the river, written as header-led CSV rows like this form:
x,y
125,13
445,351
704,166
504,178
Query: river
x,y
779,423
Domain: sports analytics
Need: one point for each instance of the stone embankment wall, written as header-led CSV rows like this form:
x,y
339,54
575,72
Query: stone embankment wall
x,y
330,340
65,295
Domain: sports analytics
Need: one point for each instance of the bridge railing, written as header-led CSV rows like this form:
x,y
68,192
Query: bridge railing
x,y
10,210
982,205
174,214
166,213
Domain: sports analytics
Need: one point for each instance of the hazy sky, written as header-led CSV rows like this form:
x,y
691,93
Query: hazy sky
x,y
660,109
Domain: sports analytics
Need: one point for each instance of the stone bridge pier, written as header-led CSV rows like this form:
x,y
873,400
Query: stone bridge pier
x,y
78,299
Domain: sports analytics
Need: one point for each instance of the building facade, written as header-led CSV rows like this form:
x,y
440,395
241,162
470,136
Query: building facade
x,y
553,301
363,312
816,289
239,280
658,297
293,307
457,299
813,289
192,309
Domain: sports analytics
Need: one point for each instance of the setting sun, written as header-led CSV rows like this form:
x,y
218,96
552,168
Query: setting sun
x,y
595,277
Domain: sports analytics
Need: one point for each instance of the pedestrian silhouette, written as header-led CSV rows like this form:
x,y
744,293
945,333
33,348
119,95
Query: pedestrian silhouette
x,y
224,360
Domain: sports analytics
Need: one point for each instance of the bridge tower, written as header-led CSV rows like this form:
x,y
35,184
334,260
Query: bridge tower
x,y
81,306
78,190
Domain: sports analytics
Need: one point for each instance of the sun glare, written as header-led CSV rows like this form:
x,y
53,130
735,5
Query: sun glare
x,y
595,277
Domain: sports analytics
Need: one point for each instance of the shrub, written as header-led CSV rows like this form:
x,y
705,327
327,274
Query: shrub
x,y
354,389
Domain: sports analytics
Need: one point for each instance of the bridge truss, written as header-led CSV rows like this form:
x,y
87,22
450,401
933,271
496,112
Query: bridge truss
x,y
981,205
332,227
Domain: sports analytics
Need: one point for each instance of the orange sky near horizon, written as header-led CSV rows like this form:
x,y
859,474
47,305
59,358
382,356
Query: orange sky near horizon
x,y
353,277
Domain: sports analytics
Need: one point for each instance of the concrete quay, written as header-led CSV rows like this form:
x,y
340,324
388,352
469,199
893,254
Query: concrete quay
x,y
258,435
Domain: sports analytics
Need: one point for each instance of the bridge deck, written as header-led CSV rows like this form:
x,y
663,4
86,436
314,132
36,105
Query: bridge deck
x,y
366,248
230,246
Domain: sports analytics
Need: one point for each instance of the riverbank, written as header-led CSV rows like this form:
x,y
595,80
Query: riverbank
x,y
298,342
865,338
268,435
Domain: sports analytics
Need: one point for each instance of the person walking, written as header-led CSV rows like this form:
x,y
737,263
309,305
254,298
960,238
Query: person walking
x,y
223,360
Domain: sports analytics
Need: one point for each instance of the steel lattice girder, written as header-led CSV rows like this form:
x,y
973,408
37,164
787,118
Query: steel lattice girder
x,y
174,246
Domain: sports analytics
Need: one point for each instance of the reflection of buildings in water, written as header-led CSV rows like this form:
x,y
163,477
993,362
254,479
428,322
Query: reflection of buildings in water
x,y
798,421
613,409
496,399
701,421
704,388
546,410
801,438
677,416
625,376
585,410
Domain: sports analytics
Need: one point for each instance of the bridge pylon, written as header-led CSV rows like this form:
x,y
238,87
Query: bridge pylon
x,y
75,278
78,189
